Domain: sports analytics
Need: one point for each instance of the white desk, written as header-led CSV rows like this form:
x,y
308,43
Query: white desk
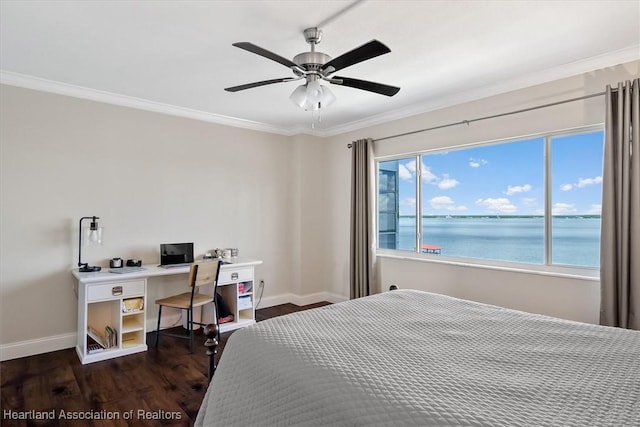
x,y
102,296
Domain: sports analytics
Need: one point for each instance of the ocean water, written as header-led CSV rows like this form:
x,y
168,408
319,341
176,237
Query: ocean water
x,y
575,240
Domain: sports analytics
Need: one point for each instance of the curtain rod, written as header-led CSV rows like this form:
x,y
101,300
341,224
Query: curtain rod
x,y
466,122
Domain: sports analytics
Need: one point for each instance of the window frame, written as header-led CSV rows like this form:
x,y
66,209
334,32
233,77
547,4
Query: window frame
x,y
546,268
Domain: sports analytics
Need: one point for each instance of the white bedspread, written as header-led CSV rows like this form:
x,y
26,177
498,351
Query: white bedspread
x,y
410,358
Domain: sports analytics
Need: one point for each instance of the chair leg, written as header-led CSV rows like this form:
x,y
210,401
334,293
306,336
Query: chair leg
x,y
215,315
158,328
190,326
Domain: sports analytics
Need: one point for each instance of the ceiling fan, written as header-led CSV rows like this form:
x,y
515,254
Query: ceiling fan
x,y
316,66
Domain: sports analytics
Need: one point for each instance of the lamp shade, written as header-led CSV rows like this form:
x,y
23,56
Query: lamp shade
x,y
314,92
299,96
312,96
327,96
93,236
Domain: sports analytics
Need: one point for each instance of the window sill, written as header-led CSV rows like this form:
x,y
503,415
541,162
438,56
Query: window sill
x,y
591,274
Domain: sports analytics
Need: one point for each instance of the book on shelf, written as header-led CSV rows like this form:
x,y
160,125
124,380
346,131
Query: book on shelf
x,y
245,287
112,336
96,337
244,302
94,347
108,340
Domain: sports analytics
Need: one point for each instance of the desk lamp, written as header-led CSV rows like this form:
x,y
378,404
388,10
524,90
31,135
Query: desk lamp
x,y
93,237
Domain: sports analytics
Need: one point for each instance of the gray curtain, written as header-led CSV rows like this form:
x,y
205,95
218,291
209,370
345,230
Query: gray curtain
x,y
620,236
362,254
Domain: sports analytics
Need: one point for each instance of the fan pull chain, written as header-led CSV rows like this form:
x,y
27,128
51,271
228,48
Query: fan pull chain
x,y
317,118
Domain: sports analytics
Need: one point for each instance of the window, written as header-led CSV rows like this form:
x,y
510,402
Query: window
x,y
533,201
576,197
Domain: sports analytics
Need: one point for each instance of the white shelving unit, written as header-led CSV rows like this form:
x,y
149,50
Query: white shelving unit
x,y
102,307
230,280
120,302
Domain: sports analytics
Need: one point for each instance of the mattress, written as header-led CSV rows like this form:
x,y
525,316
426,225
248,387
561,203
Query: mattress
x,y
411,358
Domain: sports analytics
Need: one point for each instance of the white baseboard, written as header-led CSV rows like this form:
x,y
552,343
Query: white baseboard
x,y
301,299
317,297
60,342
37,346
273,300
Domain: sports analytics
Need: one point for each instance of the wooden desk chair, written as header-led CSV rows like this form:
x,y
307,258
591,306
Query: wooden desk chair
x,y
201,273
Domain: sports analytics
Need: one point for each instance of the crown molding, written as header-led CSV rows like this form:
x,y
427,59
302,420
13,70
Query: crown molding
x,y
36,83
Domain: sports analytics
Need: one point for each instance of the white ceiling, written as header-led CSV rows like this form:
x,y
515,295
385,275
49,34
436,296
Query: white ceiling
x,y
177,57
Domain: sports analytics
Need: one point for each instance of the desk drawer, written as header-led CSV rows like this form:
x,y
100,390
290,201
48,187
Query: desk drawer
x,y
115,290
241,274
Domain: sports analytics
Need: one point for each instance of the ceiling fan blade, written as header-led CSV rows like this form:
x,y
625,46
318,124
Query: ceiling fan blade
x,y
267,54
257,84
366,51
380,88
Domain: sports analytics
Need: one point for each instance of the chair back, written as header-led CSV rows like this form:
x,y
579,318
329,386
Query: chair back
x,y
204,273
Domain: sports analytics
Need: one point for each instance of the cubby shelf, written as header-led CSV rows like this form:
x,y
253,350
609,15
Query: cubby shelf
x,y
103,307
231,285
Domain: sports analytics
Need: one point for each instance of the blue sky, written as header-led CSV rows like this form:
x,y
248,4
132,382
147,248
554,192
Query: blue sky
x,y
508,178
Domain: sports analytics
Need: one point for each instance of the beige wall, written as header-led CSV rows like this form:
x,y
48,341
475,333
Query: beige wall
x,y
308,259
151,178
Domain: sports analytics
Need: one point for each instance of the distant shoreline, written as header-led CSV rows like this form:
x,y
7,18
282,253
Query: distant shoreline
x,y
502,216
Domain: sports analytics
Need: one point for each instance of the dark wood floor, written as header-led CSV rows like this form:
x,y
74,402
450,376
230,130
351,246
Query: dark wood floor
x,y
167,384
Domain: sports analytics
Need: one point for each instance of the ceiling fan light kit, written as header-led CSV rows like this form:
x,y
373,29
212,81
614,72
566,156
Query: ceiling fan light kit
x,y
312,96
315,66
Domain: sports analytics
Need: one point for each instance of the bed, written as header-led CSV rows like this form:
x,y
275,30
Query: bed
x,y
412,358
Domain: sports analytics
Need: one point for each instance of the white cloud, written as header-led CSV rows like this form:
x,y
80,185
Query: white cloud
x,y
511,190
404,173
476,163
582,182
529,202
563,209
445,202
500,205
427,175
407,171
412,166
446,183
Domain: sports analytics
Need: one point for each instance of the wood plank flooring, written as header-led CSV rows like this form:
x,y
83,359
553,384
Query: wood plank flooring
x,y
160,387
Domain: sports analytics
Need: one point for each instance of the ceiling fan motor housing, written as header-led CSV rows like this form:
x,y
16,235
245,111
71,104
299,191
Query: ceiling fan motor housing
x,y
311,61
